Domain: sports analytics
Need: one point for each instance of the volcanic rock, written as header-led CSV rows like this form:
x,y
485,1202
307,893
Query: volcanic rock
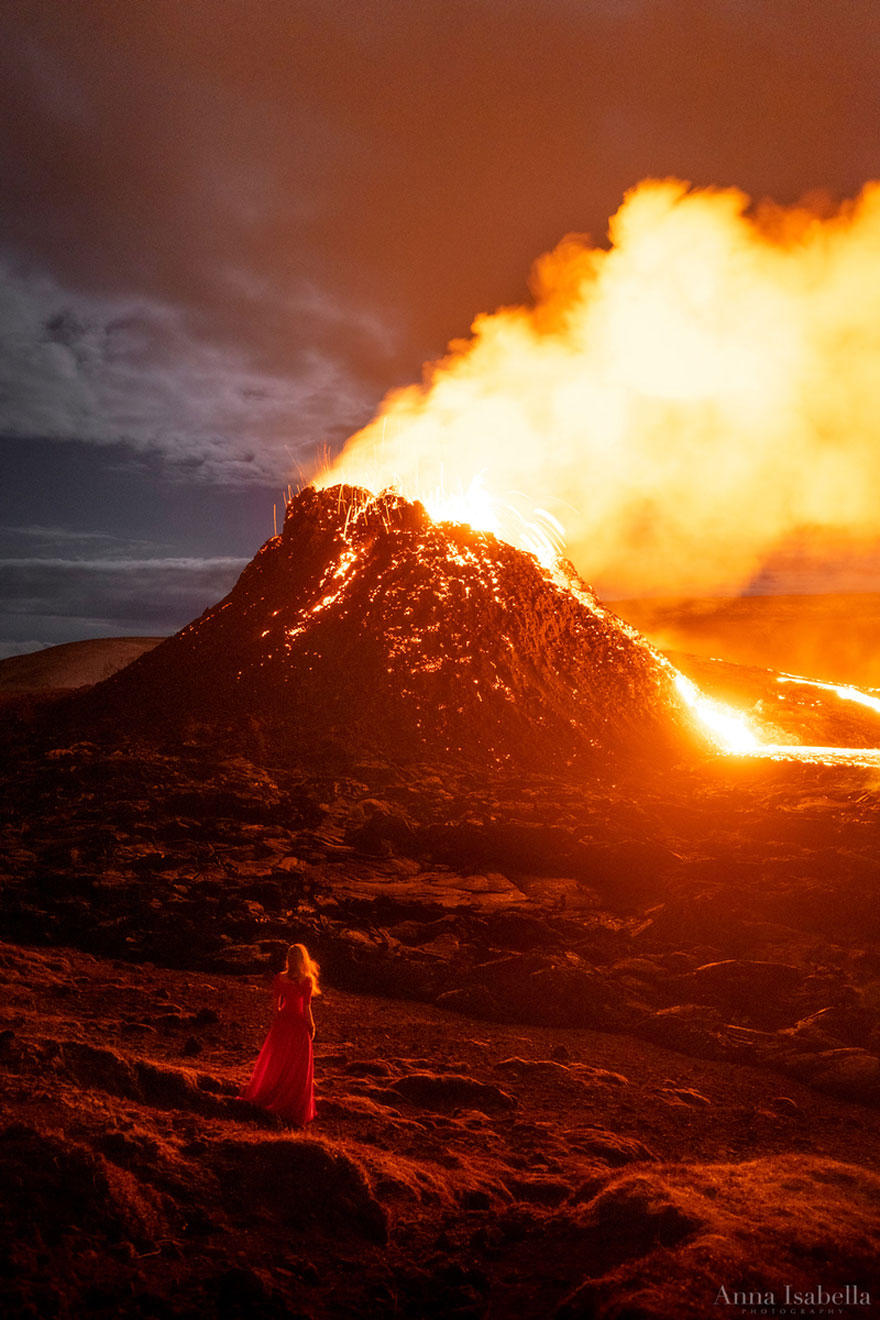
x,y
673,1225
691,1028
762,991
442,1092
367,627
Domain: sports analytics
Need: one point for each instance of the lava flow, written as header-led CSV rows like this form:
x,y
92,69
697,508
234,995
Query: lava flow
x,y
732,732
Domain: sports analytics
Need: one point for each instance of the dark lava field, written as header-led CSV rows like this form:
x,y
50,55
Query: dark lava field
x,y
597,1038
586,1048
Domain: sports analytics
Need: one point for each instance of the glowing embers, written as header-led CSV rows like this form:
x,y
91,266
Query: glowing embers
x,y
338,576
515,520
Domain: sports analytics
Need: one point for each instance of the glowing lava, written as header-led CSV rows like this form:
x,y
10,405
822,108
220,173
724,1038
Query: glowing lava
x,y
844,692
727,728
733,733
682,401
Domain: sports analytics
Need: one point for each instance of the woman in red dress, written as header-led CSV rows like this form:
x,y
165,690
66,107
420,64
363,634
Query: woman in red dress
x,y
283,1076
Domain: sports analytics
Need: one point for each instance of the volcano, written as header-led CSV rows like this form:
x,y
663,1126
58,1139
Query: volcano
x,y
367,627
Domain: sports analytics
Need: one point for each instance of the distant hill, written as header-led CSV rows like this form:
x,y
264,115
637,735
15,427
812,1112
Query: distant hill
x,y
73,664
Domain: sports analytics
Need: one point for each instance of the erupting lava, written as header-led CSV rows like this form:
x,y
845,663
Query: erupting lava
x,y
681,403
678,404
728,729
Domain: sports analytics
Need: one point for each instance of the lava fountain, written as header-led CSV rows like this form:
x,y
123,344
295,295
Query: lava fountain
x,y
670,408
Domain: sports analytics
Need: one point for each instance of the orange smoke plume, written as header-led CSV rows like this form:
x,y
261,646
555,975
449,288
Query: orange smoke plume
x,y
679,403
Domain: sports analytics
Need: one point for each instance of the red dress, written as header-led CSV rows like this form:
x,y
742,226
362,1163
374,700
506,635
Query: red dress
x,y
283,1076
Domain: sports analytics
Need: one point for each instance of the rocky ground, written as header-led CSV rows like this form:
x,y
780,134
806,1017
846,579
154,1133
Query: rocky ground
x,y
587,1047
455,1168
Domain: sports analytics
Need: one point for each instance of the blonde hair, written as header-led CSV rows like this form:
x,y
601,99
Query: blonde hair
x,y
301,964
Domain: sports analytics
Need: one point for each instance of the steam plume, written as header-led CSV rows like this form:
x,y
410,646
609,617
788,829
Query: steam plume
x,y
681,402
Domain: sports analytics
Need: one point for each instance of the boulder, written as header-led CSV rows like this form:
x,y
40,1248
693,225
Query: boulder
x,y
612,1147
691,1028
852,1074
442,1091
763,991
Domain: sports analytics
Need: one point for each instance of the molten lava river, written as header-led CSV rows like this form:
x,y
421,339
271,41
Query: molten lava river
x,y
736,734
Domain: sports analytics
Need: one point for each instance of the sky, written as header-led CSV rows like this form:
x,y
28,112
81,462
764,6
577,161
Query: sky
x,y
229,227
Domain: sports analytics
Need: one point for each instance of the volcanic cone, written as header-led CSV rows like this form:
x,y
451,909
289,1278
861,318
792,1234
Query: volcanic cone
x,y
367,627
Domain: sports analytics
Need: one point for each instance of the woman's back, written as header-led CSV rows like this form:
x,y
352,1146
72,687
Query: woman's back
x,y
283,1076
293,993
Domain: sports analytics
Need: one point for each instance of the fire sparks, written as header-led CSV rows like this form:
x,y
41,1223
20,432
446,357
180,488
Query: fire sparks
x,y
513,520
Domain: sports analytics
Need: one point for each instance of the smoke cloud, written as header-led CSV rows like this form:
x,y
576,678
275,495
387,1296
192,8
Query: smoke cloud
x,y
682,402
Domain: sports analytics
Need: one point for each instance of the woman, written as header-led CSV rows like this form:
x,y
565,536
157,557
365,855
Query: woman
x,y
283,1076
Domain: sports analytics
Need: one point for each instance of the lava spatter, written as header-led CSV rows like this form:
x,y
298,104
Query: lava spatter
x,y
367,624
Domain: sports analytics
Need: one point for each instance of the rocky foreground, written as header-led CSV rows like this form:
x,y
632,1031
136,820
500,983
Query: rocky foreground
x,y
587,1047
455,1168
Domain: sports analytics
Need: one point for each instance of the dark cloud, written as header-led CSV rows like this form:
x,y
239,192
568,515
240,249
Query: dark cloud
x,y
55,535
110,370
126,496
114,550
358,178
142,597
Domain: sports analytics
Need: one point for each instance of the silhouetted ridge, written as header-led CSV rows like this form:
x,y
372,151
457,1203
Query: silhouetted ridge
x,y
367,625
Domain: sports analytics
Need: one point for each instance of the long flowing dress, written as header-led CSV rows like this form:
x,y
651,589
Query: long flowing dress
x,y
283,1076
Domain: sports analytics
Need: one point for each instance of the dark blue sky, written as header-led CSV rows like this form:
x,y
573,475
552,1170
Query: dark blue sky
x,y
228,228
